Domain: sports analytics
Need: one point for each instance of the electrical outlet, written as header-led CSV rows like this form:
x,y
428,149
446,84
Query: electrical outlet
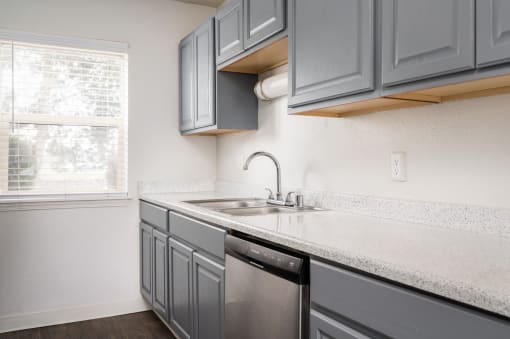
x,y
398,166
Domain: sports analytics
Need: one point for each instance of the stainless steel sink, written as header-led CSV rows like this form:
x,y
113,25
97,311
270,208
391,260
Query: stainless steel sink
x,y
220,204
248,207
250,211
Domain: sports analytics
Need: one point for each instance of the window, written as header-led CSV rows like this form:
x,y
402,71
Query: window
x,y
63,116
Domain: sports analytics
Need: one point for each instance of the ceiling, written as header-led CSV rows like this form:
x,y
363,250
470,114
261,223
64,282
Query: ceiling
x,y
212,3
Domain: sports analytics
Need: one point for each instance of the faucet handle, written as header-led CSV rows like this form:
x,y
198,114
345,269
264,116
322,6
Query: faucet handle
x,y
288,200
271,195
299,201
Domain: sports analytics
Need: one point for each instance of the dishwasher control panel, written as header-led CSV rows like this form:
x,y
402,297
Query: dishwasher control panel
x,y
262,255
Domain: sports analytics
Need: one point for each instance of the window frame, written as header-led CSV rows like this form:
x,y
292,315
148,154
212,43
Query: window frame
x,y
12,198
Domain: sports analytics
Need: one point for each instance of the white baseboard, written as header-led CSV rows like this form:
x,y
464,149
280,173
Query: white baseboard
x,y
67,315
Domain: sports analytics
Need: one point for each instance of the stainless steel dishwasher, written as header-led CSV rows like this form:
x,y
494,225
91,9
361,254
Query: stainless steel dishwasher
x,y
266,292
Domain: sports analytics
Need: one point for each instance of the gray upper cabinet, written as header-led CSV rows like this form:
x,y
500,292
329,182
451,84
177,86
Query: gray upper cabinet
x,y
492,32
205,74
146,261
180,287
262,19
331,49
208,298
210,101
197,77
229,31
424,39
160,274
187,84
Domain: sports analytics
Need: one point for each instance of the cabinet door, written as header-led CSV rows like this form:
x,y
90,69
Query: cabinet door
x,y
262,18
146,261
186,84
160,280
492,32
229,31
205,79
331,49
424,39
323,327
180,278
208,298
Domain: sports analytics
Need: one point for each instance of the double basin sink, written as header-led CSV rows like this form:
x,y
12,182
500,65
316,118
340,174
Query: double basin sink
x,y
248,207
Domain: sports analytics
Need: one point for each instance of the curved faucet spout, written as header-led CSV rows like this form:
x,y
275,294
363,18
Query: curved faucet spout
x,y
278,170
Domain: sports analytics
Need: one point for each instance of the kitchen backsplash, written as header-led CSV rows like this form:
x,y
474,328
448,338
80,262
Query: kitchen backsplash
x,y
455,151
454,216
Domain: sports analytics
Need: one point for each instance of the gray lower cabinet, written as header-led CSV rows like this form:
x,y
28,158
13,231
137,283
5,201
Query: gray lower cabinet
x,y
208,298
331,49
323,327
262,19
180,287
378,309
154,215
424,39
492,32
146,261
182,273
160,274
187,84
229,31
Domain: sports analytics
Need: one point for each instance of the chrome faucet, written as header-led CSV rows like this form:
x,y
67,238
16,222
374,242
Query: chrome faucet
x,y
272,200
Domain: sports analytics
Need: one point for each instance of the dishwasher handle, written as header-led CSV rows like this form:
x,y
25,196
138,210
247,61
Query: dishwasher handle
x,y
274,261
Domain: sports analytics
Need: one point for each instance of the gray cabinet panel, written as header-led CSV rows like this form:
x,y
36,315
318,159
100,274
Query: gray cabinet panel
x,y
154,215
186,84
146,261
492,32
262,19
205,74
229,31
323,327
208,298
160,274
331,49
423,39
396,312
180,287
236,104
203,236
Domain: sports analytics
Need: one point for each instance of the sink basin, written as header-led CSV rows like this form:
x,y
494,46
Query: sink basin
x,y
247,207
250,211
220,204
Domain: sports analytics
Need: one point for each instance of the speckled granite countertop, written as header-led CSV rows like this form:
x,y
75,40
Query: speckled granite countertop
x,y
472,268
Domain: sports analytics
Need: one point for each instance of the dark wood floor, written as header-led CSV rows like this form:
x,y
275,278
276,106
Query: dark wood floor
x,y
136,325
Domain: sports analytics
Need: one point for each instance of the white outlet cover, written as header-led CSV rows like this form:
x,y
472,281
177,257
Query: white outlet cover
x,y
398,166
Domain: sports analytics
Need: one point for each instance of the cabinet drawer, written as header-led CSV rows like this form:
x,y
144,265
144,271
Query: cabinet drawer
x,y
154,215
394,311
322,326
206,237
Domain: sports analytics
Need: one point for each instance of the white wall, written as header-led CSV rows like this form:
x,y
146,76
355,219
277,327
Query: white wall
x,y
456,152
85,261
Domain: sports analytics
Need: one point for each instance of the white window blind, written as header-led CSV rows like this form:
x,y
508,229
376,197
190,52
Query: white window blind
x,y
63,119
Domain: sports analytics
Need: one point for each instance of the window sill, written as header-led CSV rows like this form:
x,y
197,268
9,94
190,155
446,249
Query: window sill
x,y
48,203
